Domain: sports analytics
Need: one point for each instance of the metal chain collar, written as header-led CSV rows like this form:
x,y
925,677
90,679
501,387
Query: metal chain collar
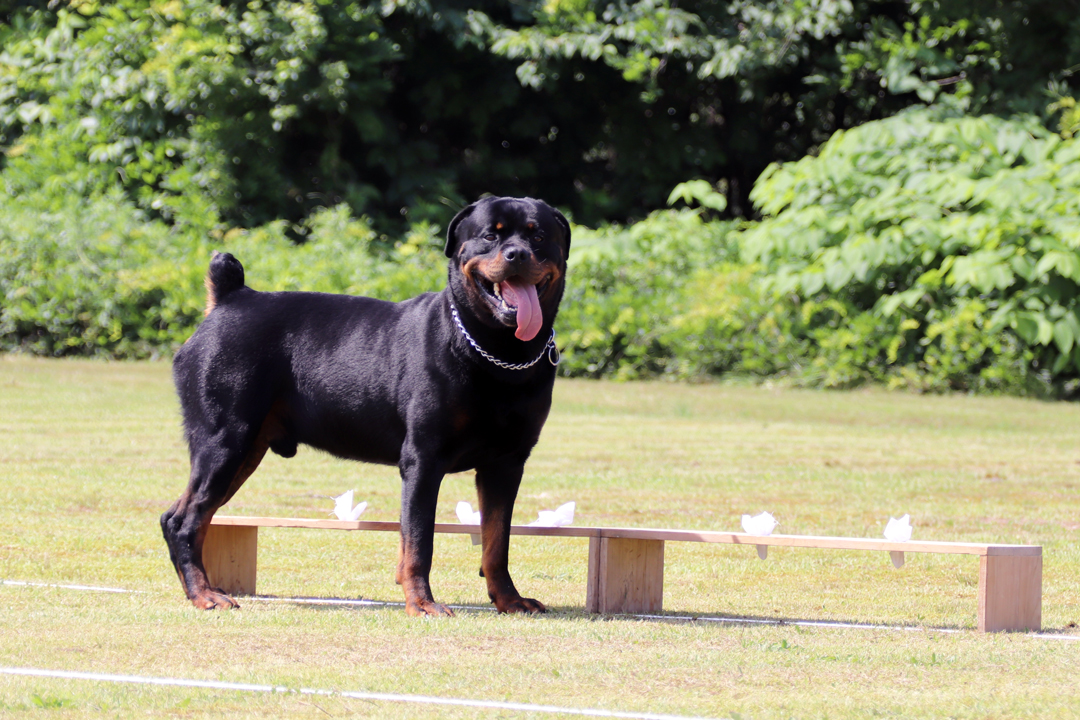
x,y
550,349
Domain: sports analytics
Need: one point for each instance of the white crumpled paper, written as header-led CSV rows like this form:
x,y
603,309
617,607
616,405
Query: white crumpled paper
x,y
562,515
343,507
559,517
465,514
762,524
898,530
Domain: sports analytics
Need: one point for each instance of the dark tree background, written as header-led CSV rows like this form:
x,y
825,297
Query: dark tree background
x,y
407,110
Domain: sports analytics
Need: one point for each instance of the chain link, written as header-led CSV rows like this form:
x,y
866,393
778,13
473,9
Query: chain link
x,y
551,350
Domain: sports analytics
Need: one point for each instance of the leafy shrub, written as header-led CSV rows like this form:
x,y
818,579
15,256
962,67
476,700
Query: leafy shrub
x,y
99,278
928,251
625,283
91,278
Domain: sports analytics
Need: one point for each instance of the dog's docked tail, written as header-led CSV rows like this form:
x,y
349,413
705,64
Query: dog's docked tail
x,y
225,275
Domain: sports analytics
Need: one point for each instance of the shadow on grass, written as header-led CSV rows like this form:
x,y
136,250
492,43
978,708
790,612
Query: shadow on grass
x,y
1068,632
576,612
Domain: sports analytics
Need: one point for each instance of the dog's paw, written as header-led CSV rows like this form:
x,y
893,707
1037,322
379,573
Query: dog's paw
x,y
520,605
214,599
427,608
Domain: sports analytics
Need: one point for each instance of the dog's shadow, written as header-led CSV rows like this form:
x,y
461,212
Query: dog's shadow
x,y
576,612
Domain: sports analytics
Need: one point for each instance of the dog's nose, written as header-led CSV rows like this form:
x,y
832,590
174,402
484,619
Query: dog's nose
x,y
516,254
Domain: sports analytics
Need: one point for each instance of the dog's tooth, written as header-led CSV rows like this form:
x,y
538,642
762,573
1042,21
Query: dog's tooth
x,y
498,290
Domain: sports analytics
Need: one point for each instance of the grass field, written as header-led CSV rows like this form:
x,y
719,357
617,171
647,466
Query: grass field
x,y
91,453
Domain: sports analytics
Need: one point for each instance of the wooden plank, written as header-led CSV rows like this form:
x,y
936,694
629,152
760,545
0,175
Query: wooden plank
x,y
240,521
393,526
821,542
705,536
230,556
1010,593
625,576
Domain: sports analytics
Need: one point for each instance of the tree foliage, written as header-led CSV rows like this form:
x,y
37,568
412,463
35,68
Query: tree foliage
x,y
925,251
326,140
404,110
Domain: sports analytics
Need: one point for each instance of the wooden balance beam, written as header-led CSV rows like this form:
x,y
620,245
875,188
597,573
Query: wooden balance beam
x,y
626,565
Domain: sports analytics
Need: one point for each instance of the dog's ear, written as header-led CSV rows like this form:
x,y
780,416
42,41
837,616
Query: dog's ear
x,y
565,227
451,232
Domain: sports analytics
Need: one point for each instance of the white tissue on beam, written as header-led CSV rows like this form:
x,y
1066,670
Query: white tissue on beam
x,y
559,517
466,516
343,507
762,524
898,530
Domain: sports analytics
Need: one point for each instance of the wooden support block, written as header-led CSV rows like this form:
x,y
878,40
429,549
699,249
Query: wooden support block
x,y
1010,592
625,575
229,556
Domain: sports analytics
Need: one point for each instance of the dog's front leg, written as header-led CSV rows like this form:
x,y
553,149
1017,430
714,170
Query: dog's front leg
x,y
497,488
419,496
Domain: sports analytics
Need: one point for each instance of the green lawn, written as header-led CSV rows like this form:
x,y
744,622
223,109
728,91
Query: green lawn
x,y
91,453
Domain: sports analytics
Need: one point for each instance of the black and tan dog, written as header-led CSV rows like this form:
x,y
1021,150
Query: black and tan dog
x,y
441,383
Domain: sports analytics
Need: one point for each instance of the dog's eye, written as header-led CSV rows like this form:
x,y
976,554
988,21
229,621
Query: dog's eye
x,y
490,237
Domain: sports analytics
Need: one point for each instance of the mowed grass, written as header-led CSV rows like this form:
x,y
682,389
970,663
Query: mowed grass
x,y
91,453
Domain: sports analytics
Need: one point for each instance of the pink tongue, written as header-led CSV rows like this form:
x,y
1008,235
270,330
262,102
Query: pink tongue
x,y
523,297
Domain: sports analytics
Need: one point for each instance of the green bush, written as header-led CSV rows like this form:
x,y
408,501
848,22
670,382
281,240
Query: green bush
x,y
930,252
625,284
924,252
92,278
99,278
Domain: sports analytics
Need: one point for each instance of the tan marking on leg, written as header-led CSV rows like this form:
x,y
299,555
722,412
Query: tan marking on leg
x,y
418,599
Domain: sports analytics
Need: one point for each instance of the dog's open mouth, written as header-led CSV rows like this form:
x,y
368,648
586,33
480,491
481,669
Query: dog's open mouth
x,y
516,302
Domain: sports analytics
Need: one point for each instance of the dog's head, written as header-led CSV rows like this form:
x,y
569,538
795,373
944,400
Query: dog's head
x,y
508,259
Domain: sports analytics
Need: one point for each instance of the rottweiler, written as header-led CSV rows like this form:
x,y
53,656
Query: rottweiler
x,y
444,382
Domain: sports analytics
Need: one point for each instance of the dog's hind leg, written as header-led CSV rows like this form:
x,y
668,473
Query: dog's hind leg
x,y
218,469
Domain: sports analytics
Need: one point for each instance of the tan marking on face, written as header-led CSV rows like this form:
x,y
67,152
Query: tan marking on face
x,y
470,270
496,269
554,274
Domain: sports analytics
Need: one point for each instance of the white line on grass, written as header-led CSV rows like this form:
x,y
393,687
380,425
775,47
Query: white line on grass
x,y
93,588
356,695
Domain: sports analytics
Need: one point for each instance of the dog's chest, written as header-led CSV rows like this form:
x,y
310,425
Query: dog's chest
x,y
499,423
